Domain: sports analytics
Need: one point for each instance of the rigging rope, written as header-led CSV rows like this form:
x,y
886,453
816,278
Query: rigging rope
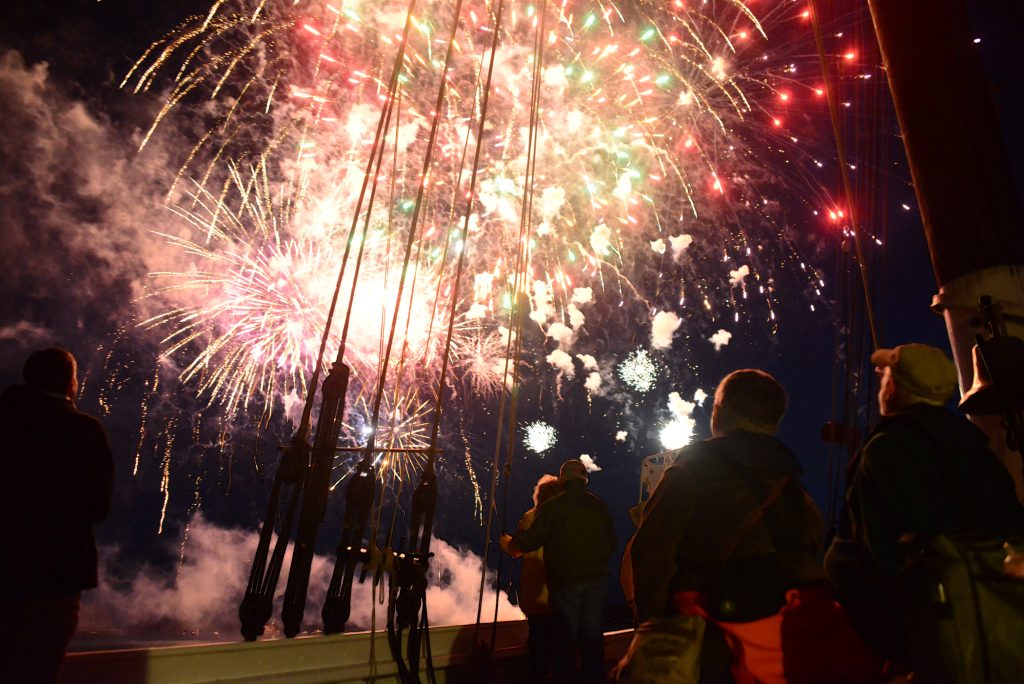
x,y
833,106
512,339
526,229
867,120
385,361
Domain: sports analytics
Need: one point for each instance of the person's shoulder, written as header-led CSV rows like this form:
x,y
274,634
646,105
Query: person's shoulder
x,y
552,504
84,422
17,395
693,460
678,480
594,500
895,441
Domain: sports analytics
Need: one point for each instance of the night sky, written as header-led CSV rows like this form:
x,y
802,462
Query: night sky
x,y
73,289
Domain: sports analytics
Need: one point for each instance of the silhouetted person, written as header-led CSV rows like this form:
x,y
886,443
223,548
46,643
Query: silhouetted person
x,y
57,479
730,526
923,470
533,587
575,529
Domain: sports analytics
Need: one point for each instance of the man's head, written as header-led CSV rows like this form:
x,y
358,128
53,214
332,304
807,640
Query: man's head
x,y
573,469
52,370
913,374
750,400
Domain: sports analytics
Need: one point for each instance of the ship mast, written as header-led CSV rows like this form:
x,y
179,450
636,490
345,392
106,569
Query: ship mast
x,y
971,214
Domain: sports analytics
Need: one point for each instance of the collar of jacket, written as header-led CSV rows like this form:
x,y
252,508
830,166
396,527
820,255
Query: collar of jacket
x,y
948,428
755,450
574,486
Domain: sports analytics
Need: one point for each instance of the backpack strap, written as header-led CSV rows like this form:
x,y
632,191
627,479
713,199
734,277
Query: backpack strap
x,y
773,494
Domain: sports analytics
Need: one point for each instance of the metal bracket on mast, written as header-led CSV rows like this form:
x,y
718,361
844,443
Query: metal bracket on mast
x,y
306,474
358,501
257,604
407,605
314,500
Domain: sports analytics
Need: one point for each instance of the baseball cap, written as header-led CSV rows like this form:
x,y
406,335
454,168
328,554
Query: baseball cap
x,y
573,469
919,369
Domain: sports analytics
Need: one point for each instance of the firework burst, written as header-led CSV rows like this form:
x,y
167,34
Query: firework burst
x,y
539,437
639,371
649,144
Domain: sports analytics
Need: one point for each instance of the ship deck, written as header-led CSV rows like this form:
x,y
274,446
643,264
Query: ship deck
x,y
354,657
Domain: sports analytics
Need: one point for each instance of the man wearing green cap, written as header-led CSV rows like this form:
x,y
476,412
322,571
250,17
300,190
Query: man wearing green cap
x,y
923,470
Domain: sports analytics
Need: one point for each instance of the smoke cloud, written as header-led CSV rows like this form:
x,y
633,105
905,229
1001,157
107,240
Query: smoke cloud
x,y
663,328
563,362
589,464
582,295
736,277
679,244
541,301
71,186
576,317
201,599
720,339
23,331
560,333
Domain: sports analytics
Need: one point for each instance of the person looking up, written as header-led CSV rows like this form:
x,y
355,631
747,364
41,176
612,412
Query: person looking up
x,y
576,531
730,540
57,483
923,470
533,587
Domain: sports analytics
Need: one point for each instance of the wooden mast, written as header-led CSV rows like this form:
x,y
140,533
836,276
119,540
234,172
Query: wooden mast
x,y
971,214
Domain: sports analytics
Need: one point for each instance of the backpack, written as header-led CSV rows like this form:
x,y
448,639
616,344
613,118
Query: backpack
x,y
965,615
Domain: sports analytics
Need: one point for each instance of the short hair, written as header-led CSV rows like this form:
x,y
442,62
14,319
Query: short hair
x,y
547,486
748,399
49,370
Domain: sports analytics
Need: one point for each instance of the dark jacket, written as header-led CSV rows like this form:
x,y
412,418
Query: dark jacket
x,y
701,507
926,470
576,531
57,482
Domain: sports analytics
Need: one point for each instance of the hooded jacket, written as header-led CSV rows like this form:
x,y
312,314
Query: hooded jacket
x,y
577,533
57,482
702,506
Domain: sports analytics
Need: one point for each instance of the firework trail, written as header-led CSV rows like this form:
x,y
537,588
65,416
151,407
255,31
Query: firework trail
x,y
659,133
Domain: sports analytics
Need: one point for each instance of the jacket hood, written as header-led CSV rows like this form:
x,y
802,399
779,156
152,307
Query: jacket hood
x,y
758,452
944,426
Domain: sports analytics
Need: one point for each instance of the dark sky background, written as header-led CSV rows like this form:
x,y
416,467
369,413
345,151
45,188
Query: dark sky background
x,y
50,297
